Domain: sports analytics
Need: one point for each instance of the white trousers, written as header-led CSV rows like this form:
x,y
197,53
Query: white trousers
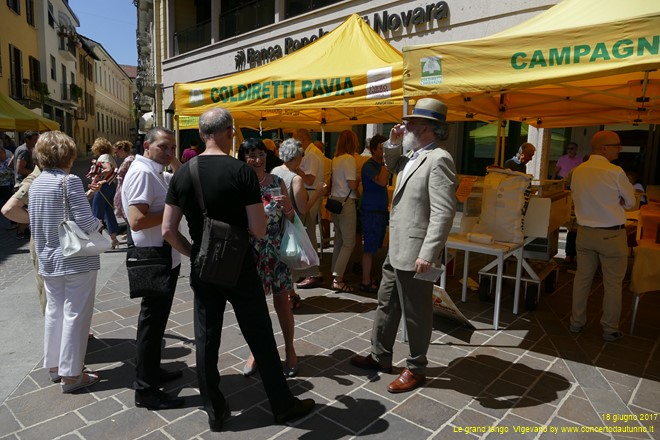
x,y
69,312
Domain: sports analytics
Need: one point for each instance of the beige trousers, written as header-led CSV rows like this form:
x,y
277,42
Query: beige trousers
x,y
610,249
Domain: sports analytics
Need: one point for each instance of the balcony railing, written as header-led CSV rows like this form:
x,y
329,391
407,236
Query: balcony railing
x,y
27,92
67,45
192,38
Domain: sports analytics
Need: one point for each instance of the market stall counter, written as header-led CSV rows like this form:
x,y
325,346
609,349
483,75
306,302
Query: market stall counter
x,y
548,209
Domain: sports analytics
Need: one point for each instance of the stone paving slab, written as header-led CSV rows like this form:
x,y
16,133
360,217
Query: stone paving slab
x,y
531,375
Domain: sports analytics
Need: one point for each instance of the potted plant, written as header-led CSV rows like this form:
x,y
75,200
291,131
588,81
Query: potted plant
x,y
76,91
43,90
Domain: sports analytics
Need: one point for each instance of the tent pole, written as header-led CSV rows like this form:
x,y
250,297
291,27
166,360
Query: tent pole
x,y
177,133
497,142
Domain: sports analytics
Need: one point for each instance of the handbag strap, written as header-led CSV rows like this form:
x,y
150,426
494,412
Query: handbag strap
x,y
65,198
194,172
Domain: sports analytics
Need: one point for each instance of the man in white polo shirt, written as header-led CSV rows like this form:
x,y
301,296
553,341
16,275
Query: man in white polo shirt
x,y
601,193
143,198
312,171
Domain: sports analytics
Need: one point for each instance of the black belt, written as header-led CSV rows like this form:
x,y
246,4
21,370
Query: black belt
x,y
609,228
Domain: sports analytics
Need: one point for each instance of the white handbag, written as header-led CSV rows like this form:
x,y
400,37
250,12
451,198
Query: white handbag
x,y
74,241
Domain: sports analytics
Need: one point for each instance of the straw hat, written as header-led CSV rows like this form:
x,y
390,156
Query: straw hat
x,y
429,108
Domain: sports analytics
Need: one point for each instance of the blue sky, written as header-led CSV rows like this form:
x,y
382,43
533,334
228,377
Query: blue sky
x,y
111,23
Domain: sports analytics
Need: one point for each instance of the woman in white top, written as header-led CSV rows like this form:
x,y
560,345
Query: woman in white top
x,y
344,189
70,282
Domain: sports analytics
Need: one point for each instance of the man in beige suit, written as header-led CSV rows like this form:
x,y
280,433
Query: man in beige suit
x,y
423,207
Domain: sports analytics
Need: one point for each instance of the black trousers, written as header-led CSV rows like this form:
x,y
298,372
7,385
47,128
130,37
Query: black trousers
x,y
154,313
249,303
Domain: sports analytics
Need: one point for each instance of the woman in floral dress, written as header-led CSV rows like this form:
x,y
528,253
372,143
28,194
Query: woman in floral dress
x,y
275,274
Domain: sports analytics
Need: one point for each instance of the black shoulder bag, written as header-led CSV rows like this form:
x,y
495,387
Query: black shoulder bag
x,y
336,206
223,246
149,269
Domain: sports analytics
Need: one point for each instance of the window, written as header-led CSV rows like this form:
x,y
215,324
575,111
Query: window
x,y
14,5
65,87
35,74
53,68
16,72
293,8
51,15
239,17
29,12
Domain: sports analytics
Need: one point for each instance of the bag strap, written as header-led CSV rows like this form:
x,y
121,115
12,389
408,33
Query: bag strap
x,y
65,198
194,171
106,200
349,193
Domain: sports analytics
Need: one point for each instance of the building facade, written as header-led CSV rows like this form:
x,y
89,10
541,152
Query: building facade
x,y
20,66
58,44
195,40
84,131
46,66
113,89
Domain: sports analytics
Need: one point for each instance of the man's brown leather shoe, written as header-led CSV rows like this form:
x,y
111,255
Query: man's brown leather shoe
x,y
407,381
369,363
310,283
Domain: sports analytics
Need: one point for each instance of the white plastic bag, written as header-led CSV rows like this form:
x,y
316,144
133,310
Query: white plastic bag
x,y
296,249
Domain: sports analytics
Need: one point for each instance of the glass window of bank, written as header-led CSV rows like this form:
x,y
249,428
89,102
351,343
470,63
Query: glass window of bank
x,y
298,7
241,16
479,140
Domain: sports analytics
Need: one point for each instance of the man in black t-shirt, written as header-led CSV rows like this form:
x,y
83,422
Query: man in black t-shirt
x,y
231,194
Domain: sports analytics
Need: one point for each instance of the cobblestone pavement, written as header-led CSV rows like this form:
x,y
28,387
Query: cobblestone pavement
x,y
526,380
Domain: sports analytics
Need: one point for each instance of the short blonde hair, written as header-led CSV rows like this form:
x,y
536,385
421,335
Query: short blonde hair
x,y
54,149
101,146
123,146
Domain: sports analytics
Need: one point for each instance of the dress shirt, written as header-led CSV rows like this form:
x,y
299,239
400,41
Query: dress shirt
x,y
597,188
411,161
146,183
313,163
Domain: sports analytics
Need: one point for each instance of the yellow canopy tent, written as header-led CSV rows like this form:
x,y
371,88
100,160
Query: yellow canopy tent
x,y
349,76
13,116
582,62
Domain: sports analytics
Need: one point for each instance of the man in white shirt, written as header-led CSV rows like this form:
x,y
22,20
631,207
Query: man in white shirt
x,y
312,171
601,193
143,198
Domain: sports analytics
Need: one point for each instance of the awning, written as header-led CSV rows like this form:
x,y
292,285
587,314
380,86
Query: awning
x,y
582,62
349,76
13,116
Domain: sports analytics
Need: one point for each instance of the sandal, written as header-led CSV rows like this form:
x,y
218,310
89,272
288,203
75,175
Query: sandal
x,y
369,288
295,300
341,287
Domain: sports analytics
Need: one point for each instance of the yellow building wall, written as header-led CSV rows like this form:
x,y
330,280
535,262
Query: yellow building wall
x,y
16,31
